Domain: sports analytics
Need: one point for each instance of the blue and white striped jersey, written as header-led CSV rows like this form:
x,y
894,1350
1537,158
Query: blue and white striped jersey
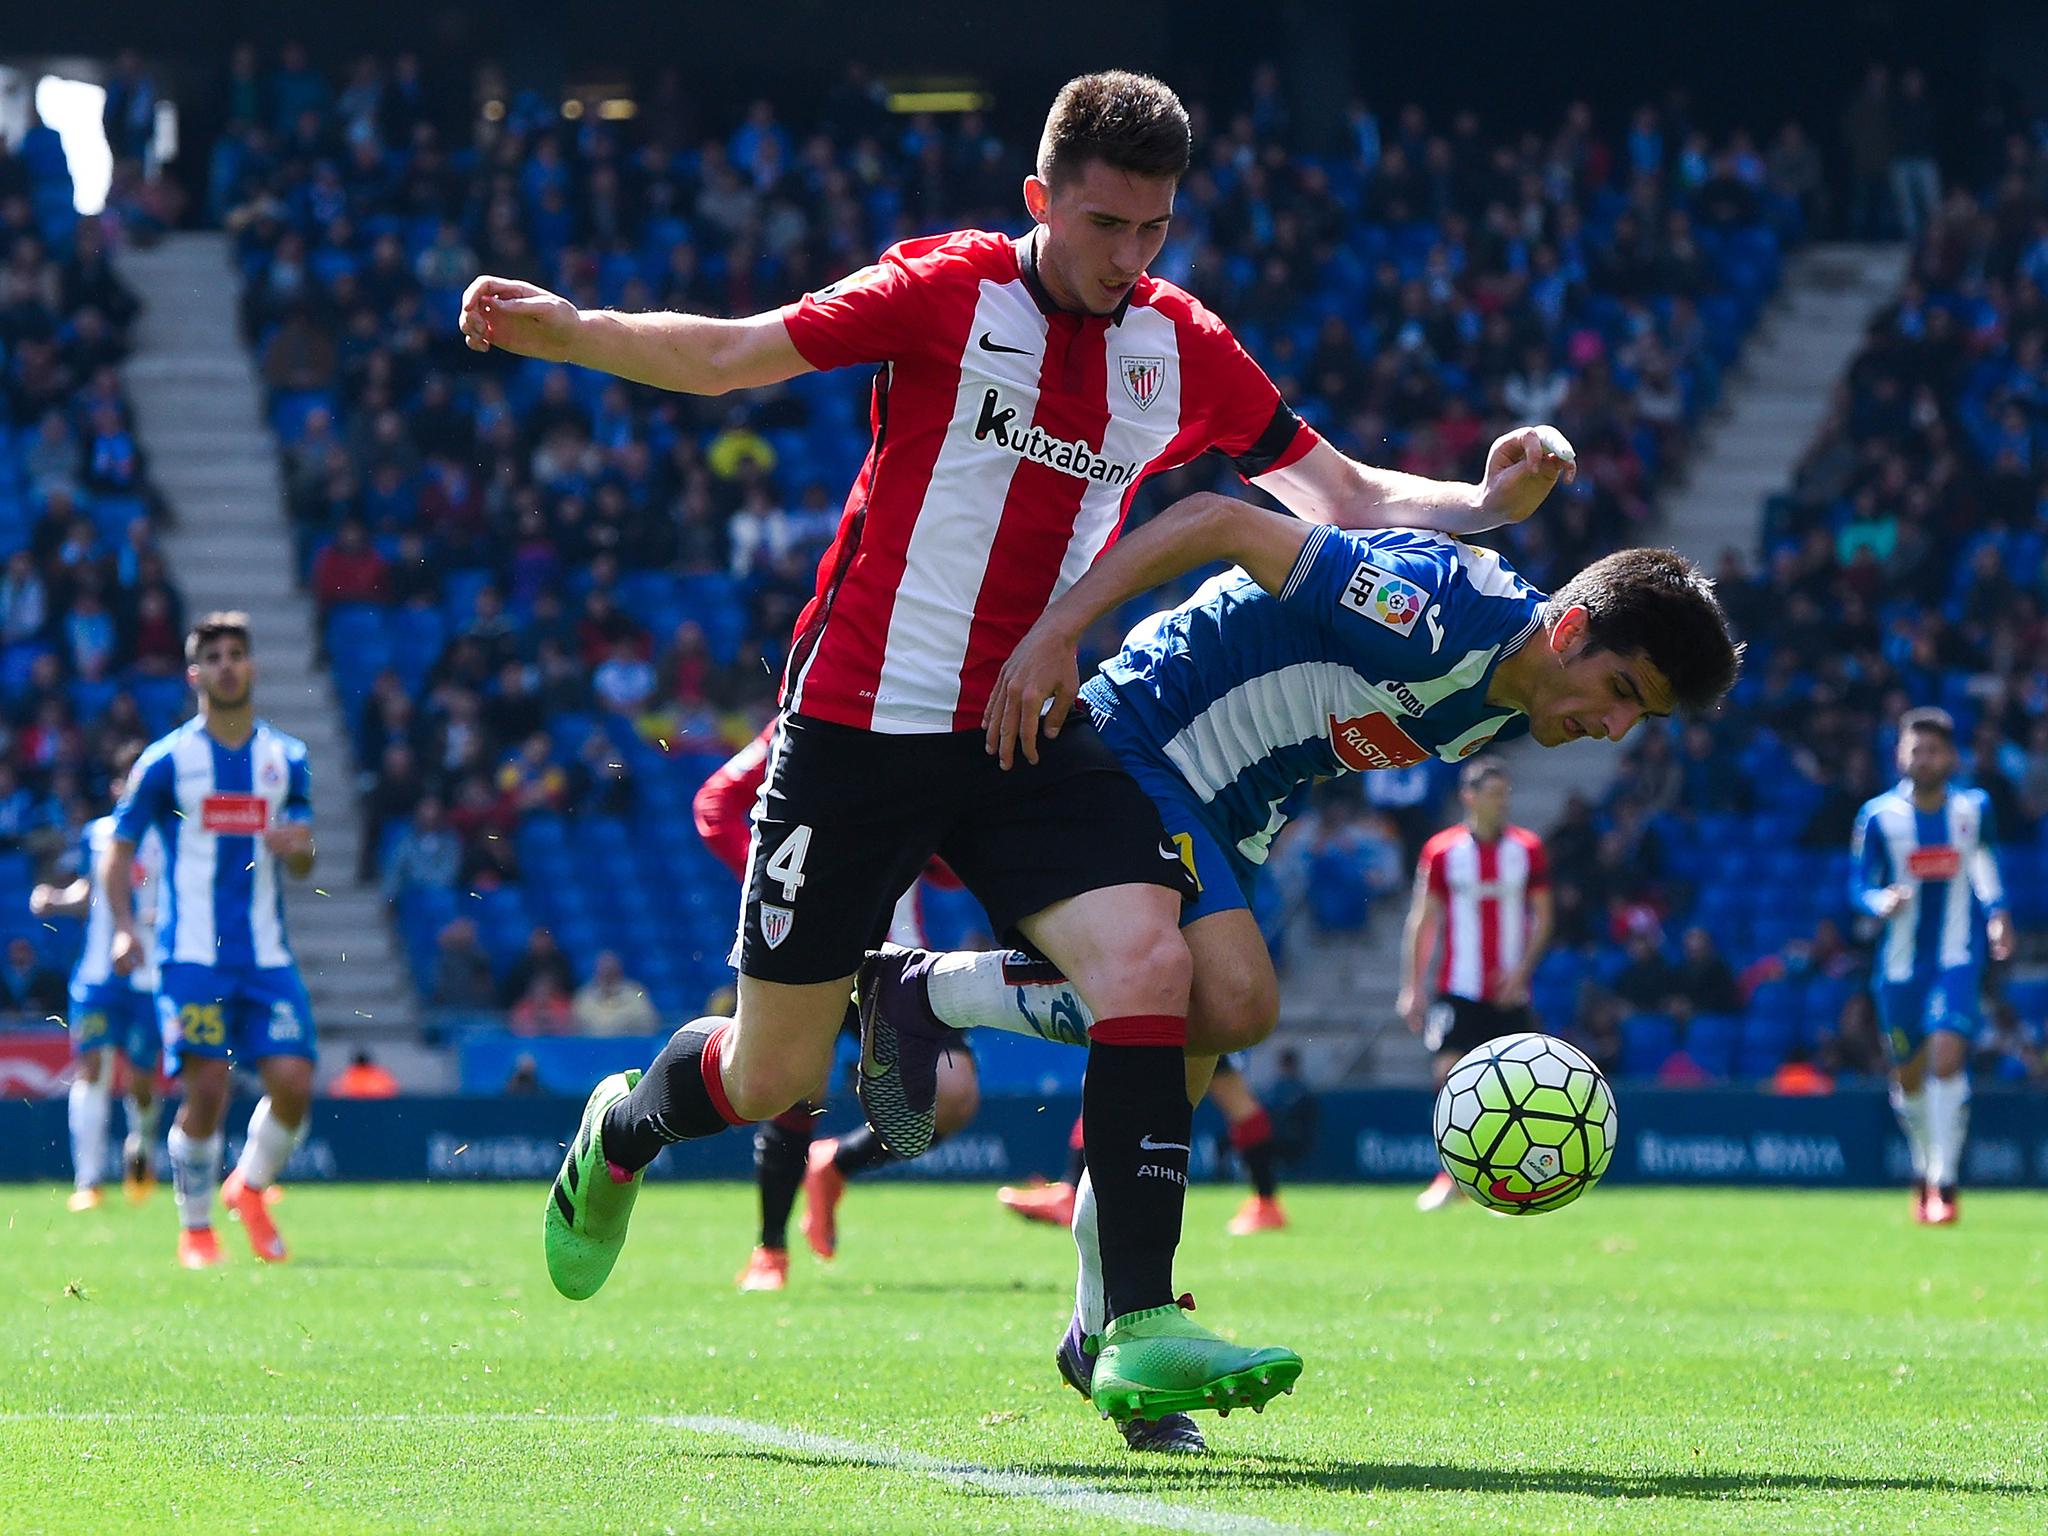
x,y
223,895
1377,653
1945,856
95,966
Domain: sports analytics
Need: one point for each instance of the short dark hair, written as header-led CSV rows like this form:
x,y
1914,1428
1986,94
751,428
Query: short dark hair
x,y
1129,122
1656,604
222,624
1479,770
1938,722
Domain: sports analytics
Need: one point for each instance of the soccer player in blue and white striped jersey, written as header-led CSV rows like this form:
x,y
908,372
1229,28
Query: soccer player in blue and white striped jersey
x,y
231,799
1923,867
1325,650
112,1020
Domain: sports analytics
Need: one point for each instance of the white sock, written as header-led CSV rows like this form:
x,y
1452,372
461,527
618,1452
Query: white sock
x,y
1001,989
142,1121
1091,1300
195,1162
269,1143
1911,1108
91,1104
1948,1124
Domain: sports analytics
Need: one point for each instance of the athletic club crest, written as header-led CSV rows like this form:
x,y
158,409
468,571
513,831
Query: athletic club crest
x,y
775,924
1142,377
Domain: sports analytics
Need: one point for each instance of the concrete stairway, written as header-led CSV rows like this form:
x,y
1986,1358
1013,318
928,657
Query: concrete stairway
x,y
200,413
1337,995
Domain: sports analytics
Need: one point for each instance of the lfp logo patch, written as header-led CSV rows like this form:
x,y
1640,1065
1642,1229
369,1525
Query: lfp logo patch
x,y
1384,598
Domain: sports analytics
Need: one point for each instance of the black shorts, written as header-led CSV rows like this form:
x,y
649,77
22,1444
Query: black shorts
x,y
1457,1024
848,818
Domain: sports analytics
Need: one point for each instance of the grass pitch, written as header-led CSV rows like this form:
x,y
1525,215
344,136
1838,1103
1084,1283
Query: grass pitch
x,y
1642,1362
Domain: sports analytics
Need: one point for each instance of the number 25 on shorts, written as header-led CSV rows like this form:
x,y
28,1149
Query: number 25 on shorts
x,y
202,1023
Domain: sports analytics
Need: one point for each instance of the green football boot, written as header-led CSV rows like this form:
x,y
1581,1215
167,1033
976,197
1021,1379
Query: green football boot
x,y
591,1202
1162,1361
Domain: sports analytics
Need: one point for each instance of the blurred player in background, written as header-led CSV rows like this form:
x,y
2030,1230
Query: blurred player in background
x,y
786,1157
1922,865
231,799
1484,884
112,1017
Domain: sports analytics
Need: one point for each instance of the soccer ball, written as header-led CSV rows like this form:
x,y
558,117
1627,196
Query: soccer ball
x,y
1525,1124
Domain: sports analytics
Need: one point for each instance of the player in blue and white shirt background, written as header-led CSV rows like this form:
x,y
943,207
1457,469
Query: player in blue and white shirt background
x,y
231,799
112,1018
1922,865
1325,651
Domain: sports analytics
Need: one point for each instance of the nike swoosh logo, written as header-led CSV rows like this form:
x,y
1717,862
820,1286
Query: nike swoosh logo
x,y
996,346
1169,853
1500,1191
870,1066
1146,1143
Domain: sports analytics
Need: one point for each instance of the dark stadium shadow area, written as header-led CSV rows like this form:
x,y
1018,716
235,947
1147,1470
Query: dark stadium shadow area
x,y
1249,1469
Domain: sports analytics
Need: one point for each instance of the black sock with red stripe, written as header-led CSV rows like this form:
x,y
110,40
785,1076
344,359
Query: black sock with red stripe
x,y
1136,1125
681,1097
781,1147
1252,1138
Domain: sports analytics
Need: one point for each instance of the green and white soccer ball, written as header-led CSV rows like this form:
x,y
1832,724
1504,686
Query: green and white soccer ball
x,y
1525,1124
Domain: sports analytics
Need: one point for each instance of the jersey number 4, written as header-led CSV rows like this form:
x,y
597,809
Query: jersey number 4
x,y
786,866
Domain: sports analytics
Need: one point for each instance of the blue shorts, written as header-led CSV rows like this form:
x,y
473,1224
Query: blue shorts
x,y
233,1012
1909,1011
113,1013
1223,876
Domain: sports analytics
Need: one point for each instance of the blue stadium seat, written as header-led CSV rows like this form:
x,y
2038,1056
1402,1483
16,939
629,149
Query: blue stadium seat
x,y
1646,1040
1710,1040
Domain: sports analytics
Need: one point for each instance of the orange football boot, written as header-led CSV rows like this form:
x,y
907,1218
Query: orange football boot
x,y
823,1185
1049,1203
767,1270
253,1211
1260,1213
198,1248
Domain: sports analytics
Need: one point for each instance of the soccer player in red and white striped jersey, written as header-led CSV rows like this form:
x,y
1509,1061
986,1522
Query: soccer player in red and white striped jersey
x,y
1484,884
1023,389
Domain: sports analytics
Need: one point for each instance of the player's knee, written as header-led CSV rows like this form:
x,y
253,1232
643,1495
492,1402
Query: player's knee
x,y
1234,1012
760,1090
1150,972
92,1067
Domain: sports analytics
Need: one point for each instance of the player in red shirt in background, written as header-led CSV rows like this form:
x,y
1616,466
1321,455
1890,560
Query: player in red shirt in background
x,y
786,1158
1485,883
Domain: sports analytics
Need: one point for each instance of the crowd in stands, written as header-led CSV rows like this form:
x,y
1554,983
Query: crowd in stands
x,y
553,600
1906,565
91,625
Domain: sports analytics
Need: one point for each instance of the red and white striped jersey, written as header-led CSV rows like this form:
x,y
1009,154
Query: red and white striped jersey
x,y
1485,889
1009,436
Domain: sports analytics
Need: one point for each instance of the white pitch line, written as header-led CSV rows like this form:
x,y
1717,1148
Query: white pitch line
x,y
1004,1482
1074,1498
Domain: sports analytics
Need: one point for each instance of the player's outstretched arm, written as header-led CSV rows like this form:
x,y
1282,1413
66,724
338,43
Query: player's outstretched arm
x,y
691,354
1195,531
1325,486
71,900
